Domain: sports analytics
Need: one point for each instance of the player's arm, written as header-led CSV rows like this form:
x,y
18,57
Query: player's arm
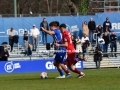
x,y
47,31
63,45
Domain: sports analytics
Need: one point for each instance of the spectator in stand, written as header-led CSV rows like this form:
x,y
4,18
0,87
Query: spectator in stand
x,y
97,56
92,29
107,30
28,49
107,25
35,34
85,28
44,24
107,41
74,41
78,46
101,42
99,30
85,41
113,43
11,34
25,38
3,52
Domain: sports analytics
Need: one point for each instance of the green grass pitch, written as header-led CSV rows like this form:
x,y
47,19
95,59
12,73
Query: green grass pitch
x,y
104,79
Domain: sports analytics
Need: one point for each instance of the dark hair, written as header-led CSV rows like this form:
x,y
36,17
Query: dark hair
x,y
85,22
53,24
62,26
57,23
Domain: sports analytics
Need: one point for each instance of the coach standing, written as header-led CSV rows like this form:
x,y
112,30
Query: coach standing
x,y
44,24
11,34
35,33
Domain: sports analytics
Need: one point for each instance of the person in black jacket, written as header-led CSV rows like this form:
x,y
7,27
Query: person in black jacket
x,y
99,30
5,55
92,29
98,56
107,25
44,24
107,41
113,43
3,52
25,37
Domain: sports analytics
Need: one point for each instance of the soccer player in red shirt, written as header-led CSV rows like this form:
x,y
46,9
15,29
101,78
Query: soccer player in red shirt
x,y
67,42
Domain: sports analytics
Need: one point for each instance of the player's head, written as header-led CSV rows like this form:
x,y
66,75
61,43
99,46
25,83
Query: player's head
x,y
44,20
62,27
53,25
57,24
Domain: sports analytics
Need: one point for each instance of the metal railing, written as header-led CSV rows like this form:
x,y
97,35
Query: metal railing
x,y
38,15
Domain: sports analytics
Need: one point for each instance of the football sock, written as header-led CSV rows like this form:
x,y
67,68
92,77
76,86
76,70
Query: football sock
x,y
61,72
77,71
75,61
67,72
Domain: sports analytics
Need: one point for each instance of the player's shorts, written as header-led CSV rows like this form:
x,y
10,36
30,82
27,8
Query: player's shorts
x,y
71,58
60,54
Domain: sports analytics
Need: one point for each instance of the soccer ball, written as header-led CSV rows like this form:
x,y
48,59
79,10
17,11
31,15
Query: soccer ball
x,y
43,75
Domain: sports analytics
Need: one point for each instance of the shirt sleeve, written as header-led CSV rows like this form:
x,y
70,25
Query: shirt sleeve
x,y
38,31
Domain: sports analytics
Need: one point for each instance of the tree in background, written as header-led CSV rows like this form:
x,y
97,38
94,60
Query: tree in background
x,y
82,6
44,6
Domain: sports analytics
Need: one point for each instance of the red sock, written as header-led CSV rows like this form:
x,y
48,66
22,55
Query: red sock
x,y
77,71
74,62
67,72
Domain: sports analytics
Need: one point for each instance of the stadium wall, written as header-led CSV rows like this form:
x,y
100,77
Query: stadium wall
x,y
31,66
74,24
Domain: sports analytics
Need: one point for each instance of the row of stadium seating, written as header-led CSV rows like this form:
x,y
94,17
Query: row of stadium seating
x,y
42,53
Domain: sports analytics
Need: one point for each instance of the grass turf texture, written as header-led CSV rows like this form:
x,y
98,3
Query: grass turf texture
x,y
104,79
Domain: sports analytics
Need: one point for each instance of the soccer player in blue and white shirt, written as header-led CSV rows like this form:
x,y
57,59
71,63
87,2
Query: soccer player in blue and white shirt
x,y
61,51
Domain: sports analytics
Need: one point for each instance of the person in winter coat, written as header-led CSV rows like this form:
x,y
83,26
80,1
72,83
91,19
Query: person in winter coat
x,y
85,44
97,56
78,45
107,25
113,43
92,29
85,28
107,41
99,30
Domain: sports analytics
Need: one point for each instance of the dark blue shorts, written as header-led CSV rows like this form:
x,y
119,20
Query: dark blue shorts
x,y
60,54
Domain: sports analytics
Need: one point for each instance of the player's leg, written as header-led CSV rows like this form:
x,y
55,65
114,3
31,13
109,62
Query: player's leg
x,y
80,58
56,63
62,61
65,70
71,66
60,71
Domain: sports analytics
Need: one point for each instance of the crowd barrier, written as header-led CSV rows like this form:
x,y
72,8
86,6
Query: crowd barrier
x,y
29,66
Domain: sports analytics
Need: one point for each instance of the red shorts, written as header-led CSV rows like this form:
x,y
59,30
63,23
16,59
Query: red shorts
x,y
71,58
